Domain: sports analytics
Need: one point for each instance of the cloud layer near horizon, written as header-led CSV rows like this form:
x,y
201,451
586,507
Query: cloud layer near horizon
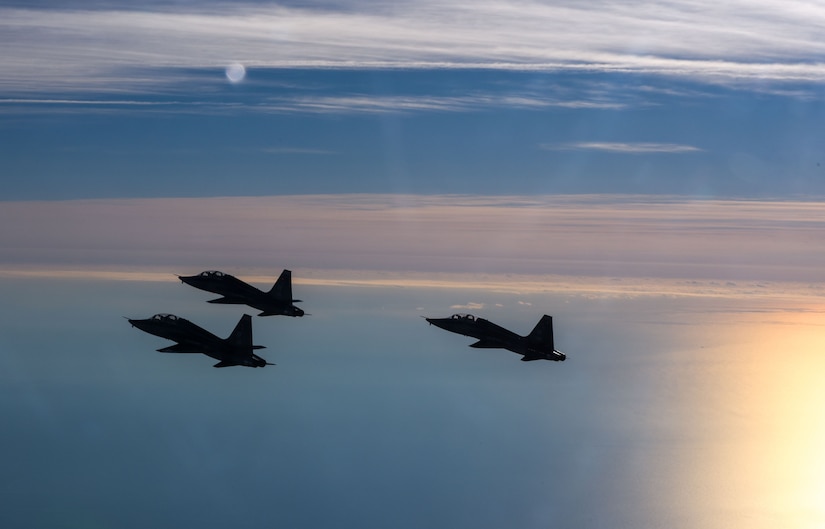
x,y
47,50
635,237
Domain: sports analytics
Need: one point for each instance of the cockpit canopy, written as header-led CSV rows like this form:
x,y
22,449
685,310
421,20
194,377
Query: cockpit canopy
x,y
212,273
165,317
468,317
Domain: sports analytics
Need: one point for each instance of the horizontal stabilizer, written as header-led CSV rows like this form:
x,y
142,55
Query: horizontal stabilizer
x,y
224,364
177,348
486,344
223,301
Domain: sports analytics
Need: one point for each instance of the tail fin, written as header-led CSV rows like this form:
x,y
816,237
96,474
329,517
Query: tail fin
x,y
543,332
241,337
282,289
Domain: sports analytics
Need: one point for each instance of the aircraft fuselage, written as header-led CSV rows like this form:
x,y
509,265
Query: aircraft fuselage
x,y
190,338
237,292
537,345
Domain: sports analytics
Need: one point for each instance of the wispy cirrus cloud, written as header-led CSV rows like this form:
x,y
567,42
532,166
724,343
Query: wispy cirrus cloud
x,y
623,148
318,104
114,49
617,236
469,306
374,104
298,150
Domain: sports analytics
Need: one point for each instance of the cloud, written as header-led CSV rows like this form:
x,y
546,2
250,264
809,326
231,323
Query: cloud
x,y
298,150
469,306
623,148
742,42
377,103
759,296
318,104
485,237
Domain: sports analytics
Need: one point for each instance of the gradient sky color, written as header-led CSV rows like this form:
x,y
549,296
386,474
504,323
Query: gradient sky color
x,y
608,236
649,173
106,99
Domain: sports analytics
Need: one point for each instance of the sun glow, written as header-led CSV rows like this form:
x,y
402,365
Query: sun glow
x,y
763,417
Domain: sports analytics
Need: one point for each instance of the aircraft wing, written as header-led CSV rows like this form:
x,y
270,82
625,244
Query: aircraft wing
x,y
226,301
224,363
486,344
178,348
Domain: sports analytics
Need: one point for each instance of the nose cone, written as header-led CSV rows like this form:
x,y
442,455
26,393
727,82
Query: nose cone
x,y
140,324
441,323
189,280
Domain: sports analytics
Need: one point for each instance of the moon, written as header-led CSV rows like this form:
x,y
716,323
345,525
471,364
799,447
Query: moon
x,y
235,72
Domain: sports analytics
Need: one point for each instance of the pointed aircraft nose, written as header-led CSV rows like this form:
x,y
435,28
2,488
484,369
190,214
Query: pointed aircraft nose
x,y
140,324
441,323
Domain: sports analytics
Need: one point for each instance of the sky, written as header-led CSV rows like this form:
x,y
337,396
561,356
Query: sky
x,y
107,100
651,174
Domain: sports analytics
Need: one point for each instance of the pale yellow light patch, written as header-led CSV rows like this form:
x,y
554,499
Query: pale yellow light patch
x,y
754,410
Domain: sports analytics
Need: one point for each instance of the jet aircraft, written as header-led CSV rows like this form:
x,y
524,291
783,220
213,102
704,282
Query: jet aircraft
x,y
278,301
538,345
190,338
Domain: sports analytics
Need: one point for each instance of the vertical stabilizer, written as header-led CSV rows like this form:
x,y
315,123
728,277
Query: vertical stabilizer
x,y
282,289
241,337
543,333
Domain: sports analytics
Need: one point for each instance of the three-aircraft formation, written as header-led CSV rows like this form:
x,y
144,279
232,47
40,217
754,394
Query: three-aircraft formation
x,y
237,349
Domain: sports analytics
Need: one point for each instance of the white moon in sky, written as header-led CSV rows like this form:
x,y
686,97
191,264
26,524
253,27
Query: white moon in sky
x,y
235,72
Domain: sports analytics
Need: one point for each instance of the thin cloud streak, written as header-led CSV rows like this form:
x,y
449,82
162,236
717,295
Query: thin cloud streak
x,y
592,236
468,306
623,148
731,42
299,150
379,104
349,104
759,293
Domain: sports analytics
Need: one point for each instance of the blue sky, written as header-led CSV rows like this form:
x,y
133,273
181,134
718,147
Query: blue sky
x,y
105,100
649,173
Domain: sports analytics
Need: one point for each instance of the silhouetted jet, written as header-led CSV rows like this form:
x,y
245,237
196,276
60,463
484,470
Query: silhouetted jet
x,y
277,301
233,351
538,345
